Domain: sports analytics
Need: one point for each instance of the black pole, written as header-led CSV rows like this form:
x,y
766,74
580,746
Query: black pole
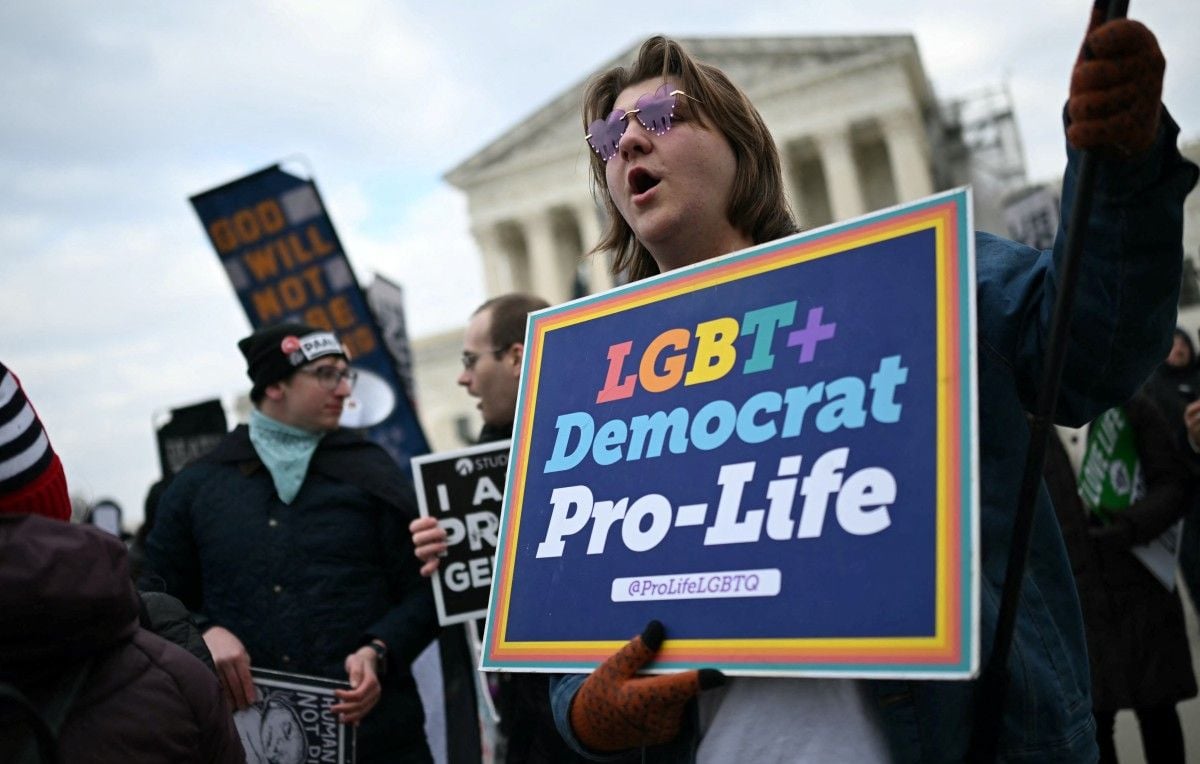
x,y
993,685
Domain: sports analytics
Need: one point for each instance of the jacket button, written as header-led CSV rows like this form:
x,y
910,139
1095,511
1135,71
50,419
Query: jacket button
x,y
285,659
278,588
272,522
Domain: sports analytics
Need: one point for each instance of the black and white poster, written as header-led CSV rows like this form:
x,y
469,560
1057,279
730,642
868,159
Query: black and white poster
x,y
188,433
290,721
464,490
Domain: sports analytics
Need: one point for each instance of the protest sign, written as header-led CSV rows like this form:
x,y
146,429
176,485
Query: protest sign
x,y
286,263
386,300
463,489
290,721
771,452
188,433
1160,555
1032,217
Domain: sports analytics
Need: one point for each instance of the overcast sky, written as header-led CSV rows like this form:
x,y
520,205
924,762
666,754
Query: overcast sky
x,y
112,303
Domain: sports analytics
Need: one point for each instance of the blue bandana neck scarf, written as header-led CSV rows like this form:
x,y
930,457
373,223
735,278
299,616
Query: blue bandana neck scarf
x,y
284,450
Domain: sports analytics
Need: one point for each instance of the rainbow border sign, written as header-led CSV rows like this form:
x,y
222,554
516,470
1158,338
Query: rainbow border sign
x,y
773,453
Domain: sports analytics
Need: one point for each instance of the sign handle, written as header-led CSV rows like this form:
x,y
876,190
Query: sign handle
x,y
993,685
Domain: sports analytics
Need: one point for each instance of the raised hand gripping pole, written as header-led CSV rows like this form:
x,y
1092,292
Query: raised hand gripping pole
x,y
993,684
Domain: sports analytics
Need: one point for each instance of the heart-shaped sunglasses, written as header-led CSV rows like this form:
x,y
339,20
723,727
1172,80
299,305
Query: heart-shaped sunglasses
x,y
653,110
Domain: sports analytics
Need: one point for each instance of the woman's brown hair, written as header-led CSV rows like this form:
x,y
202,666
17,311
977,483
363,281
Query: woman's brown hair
x,y
757,204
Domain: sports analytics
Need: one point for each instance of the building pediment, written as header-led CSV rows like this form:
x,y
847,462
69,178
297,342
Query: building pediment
x,y
854,118
759,65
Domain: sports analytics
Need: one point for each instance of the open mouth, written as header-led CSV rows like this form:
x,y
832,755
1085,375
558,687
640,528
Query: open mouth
x,y
641,181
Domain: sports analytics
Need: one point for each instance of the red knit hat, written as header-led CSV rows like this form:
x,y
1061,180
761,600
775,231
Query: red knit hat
x,y
31,475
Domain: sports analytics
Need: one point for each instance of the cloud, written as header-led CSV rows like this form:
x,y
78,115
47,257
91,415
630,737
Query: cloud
x,y
433,256
114,303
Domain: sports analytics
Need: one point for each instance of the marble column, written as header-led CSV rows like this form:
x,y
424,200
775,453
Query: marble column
x,y
841,174
497,264
791,187
588,220
908,153
546,275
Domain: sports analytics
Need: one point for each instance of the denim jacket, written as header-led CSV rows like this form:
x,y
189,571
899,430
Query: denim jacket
x,y
1123,317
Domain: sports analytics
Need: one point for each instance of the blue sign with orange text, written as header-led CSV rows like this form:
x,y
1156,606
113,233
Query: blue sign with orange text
x,y
770,452
283,256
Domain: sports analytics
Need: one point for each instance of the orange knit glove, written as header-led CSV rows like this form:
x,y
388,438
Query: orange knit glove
x,y
615,710
1116,88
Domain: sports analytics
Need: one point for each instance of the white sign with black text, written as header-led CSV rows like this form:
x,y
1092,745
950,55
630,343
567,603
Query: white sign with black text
x,y
464,490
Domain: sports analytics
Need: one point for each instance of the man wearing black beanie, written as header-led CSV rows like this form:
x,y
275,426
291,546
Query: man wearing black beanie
x,y
288,543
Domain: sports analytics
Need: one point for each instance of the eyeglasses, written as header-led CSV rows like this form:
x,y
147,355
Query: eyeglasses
x,y
469,359
653,110
329,377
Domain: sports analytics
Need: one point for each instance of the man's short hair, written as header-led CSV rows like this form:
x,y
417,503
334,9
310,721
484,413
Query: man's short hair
x,y
508,312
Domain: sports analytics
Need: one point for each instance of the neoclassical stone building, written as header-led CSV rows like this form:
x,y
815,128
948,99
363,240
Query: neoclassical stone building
x,y
1189,307
855,118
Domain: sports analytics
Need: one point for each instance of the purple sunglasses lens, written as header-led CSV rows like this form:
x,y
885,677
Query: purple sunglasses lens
x,y
656,109
653,110
604,134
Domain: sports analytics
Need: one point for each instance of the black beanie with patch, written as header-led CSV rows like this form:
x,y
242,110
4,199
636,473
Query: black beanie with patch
x,y
274,353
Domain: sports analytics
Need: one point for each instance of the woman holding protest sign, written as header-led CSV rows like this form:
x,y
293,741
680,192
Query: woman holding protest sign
x,y
689,172
1116,486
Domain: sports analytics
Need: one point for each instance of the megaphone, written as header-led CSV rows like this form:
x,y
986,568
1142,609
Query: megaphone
x,y
371,402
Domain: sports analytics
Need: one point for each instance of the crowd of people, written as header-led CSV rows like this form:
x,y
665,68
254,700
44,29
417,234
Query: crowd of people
x,y
294,545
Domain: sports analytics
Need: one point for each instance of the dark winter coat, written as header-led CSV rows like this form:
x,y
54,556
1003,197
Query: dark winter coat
x,y
304,585
524,699
66,597
1172,389
166,616
1137,643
